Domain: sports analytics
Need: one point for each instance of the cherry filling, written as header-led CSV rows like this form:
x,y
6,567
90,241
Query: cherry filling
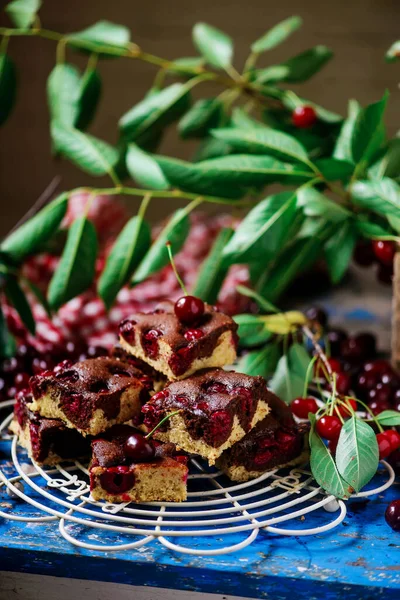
x,y
180,361
275,450
150,342
215,387
247,406
193,334
219,429
127,331
152,416
69,375
117,480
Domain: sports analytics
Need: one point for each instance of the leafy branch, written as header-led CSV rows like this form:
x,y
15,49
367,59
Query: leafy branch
x,y
339,178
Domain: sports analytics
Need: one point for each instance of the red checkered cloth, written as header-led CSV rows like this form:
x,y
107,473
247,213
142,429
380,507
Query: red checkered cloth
x,y
85,317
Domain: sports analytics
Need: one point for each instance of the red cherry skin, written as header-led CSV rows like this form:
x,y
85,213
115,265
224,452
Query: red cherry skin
x,y
392,515
343,383
332,445
382,393
304,117
193,334
379,366
384,251
189,309
384,445
363,255
302,406
384,274
394,439
138,448
329,427
377,407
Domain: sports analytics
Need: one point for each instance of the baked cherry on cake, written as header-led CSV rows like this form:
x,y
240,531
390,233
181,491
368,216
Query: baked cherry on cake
x,y
276,441
157,380
178,348
48,441
91,395
126,467
217,408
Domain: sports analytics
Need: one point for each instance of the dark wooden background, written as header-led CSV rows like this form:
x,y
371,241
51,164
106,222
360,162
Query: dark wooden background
x,y
359,32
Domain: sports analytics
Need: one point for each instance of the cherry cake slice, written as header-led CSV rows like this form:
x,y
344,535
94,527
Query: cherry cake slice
x,y
217,408
178,349
126,467
275,442
48,441
91,395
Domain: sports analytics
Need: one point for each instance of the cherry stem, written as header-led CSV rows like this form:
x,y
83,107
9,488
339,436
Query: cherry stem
x,y
171,259
308,372
369,411
161,423
307,331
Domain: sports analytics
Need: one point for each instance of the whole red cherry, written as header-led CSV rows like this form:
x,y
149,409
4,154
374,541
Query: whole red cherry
x,y
189,309
304,117
138,448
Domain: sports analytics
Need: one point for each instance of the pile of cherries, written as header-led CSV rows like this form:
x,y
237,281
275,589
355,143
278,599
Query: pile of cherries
x,y
16,372
353,360
380,252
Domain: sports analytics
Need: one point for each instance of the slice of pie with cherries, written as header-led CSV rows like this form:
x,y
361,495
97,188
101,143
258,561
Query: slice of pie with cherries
x,y
216,409
91,395
126,467
176,348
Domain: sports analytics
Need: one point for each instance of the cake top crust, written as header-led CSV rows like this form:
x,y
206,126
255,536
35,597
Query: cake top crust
x,y
108,449
90,378
164,321
211,390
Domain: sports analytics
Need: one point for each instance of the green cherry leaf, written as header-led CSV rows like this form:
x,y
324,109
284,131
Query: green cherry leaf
x,y
242,120
296,69
381,196
8,86
372,230
334,169
339,249
259,362
89,94
187,65
17,297
278,34
200,118
63,87
315,204
33,234
211,148
144,169
294,259
264,229
263,141
393,53
130,247
368,132
252,330
76,269
213,44
389,418
88,153
105,38
357,453
324,468
388,164
289,378
342,150
264,304
213,270
7,342
175,232
155,111
23,12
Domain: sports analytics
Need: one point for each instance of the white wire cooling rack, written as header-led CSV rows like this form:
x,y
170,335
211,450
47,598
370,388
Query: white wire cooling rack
x,y
218,517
